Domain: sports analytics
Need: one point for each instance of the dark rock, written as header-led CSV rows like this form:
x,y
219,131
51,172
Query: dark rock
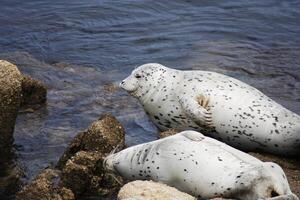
x,y
10,98
167,133
46,186
103,135
80,169
84,172
10,181
111,88
34,92
82,163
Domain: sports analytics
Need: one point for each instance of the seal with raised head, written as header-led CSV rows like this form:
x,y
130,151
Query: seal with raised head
x,y
216,105
203,167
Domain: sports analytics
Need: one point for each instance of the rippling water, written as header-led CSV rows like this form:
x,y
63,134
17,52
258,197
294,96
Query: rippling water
x,y
80,49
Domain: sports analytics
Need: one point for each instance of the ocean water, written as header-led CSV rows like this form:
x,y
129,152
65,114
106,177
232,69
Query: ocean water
x,y
82,49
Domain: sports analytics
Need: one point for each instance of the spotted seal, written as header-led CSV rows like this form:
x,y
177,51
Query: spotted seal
x,y
203,167
216,105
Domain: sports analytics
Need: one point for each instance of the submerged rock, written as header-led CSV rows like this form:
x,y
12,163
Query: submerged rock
x,y
46,186
103,135
34,92
10,99
149,190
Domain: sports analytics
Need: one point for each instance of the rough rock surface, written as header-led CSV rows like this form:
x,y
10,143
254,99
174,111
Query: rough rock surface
x,y
11,182
167,133
15,91
46,186
84,172
82,162
103,135
34,92
80,169
10,98
149,190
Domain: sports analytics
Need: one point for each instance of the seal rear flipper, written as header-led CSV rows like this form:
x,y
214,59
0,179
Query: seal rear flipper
x,y
197,109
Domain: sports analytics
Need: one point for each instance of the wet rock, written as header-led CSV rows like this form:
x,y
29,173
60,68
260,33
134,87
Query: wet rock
x,y
82,163
80,169
10,98
84,172
149,190
34,92
167,133
291,167
11,182
46,186
111,87
76,176
103,135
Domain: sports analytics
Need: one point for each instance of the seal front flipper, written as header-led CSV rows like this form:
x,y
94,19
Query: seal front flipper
x,y
198,109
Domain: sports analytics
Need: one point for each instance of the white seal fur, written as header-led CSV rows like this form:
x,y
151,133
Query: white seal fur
x,y
203,167
216,105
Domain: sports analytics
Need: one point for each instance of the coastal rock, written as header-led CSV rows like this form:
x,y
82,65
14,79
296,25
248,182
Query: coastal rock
x,y
34,92
80,170
46,186
103,135
10,98
11,182
167,133
149,190
84,172
82,163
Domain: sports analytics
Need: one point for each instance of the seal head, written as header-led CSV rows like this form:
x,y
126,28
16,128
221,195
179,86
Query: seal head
x,y
144,79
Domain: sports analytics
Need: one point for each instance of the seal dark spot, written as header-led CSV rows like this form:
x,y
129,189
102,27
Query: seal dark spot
x,y
274,193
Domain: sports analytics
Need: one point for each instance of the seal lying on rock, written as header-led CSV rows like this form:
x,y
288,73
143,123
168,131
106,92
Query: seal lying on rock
x,y
203,167
217,105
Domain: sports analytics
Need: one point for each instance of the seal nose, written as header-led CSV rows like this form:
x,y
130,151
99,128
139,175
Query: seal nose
x,y
121,84
108,163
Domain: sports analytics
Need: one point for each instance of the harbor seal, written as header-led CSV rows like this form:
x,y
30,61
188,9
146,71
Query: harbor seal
x,y
216,105
203,167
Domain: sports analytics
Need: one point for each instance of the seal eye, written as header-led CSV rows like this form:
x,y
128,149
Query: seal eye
x,y
137,76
